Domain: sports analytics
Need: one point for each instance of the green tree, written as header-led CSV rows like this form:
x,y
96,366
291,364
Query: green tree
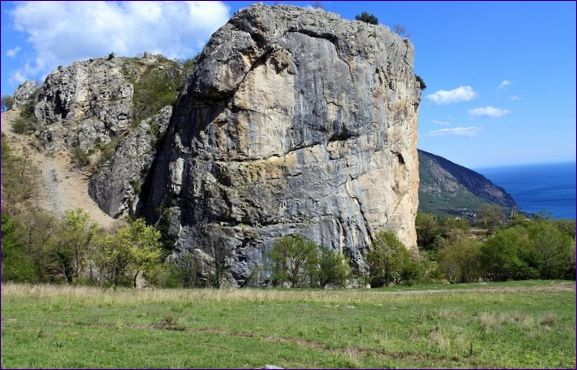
x,y
19,184
144,247
427,230
510,254
490,216
368,18
71,245
17,264
389,261
333,268
112,258
555,249
567,227
35,232
460,260
422,84
7,103
294,261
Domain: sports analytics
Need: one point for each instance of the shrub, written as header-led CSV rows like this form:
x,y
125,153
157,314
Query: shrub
x,y
294,261
22,126
108,150
510,254
401,31
17,262
460,260
555,250
389,261
368,18
80,157
156,88
333,268
422,84
128,252
7,103
70,247
427,230
136,186
490,217
19,180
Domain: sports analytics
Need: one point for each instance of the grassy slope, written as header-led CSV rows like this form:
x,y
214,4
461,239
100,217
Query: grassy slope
x,y
519,324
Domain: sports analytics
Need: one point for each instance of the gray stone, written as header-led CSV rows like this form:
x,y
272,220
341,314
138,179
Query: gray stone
x,y
117,184
293,121
85,104
24,93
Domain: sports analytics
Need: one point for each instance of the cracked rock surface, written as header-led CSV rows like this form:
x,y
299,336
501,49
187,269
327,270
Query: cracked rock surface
x,y
294,121
117,184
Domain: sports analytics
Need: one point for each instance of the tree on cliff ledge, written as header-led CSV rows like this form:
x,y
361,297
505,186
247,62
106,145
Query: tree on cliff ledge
x,y
368,18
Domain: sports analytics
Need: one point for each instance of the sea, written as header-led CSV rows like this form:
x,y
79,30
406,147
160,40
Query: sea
x,y
548,189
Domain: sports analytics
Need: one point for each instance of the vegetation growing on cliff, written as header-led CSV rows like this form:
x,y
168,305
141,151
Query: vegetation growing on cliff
x,y
367,18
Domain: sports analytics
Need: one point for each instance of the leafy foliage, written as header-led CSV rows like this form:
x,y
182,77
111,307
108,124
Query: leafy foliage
x,y
422,84
17,264
7,103
294,260
156,88
368,18
460,260
490,216
19,184
71,245
132,250
389,261
333,268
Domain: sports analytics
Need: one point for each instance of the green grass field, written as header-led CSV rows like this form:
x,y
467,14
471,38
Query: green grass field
x,y
515,324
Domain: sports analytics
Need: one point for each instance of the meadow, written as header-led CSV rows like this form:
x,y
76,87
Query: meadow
x,y
511,324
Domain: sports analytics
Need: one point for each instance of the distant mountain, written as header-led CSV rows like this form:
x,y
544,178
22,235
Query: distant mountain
x,y
447,188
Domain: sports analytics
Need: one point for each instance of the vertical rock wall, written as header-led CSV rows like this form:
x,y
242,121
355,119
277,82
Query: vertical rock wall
x,y
294,121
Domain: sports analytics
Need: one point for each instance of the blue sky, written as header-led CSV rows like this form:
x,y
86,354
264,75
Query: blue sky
x,y
500,75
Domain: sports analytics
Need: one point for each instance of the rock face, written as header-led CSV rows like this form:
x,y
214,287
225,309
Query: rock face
x,y
84,105
294,121
24,93
94,103
117,184
447,188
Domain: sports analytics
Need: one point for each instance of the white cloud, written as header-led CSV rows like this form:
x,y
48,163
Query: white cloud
x,y
459,94
440,123
17,78
13,52
515,98
489,111
61,32
503,84
457,131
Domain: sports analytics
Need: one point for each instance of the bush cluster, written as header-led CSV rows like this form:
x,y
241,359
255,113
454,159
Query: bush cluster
x,y
157,87
298,262
523,248
367,18
36,247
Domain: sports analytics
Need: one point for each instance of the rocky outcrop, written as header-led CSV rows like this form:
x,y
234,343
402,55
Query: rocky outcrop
x,y
94,103
84,105
24,93
117,184
447,188
294,121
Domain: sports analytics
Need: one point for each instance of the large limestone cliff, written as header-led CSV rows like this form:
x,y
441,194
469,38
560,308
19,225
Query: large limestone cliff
x,y
294,121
